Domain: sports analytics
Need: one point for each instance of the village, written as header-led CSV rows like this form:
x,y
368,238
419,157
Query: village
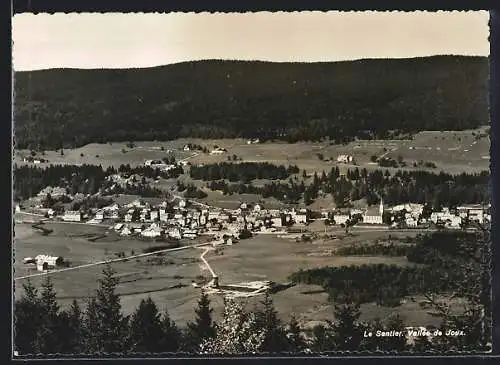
x,y
177,218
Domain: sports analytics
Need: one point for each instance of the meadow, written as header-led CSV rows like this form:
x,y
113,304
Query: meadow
x,y
264,257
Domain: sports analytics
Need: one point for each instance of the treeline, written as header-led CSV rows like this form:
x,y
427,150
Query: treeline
x,y
41,328
228,99
29,180
376,249
85,179
244,172
400,187
443,257
289,193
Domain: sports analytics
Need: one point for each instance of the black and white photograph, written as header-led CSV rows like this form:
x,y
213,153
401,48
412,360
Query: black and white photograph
x,y
251,184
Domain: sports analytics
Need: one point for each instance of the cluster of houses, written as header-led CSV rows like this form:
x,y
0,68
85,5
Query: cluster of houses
x,y
177,219
411,215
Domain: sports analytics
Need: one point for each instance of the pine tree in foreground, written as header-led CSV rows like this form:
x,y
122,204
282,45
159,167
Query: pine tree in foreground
x,y
202,328
347,332
27,319
275,340
106,327
71,330
296,342
146,332
172,335
48,334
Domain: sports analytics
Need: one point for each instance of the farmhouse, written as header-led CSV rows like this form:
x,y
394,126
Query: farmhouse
x,y
45,262
72,216
345,159
218,151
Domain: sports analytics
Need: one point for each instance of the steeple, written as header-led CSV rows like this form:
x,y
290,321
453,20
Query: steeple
x,y
381,207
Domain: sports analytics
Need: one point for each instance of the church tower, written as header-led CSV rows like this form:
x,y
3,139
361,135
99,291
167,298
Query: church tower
x,y
381,207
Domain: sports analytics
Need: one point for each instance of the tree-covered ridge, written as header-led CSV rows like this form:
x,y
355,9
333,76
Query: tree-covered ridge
x,y
227,99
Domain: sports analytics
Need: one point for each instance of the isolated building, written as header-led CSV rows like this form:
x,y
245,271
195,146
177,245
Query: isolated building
x,y
218,151
72,216
372,216
45,262
345,159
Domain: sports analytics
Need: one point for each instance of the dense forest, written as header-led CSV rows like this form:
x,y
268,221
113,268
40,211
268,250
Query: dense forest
x,y
86,179
42,327
219,99
399,187
245,171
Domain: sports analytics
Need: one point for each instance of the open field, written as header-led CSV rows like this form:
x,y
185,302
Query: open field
x,y
264,257
454,152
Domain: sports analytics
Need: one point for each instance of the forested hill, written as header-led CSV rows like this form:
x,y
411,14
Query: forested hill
x,y
215,99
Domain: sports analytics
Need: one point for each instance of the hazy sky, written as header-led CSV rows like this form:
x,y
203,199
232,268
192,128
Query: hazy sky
x,y
117,40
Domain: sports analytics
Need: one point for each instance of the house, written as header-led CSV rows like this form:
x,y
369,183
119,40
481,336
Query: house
x,y
372,216
45,262
182,203
454,222
99,215
277,222
152,231
128,217
218,151
118,226
257,208
213,215
341,218
411,222
186,148
72,216
345,159
174,232
163,215
154,216
125,231
300,218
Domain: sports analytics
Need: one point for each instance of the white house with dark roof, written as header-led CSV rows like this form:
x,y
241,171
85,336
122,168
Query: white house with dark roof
x,y
374,216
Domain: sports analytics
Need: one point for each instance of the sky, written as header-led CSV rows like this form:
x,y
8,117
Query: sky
x,y
115,40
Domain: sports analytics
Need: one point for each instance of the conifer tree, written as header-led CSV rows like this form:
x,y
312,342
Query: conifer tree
x,y
47,339
275,337
27,319
146,332
296,342
172,336
75,320
346,331
322,340
106,327
203,327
